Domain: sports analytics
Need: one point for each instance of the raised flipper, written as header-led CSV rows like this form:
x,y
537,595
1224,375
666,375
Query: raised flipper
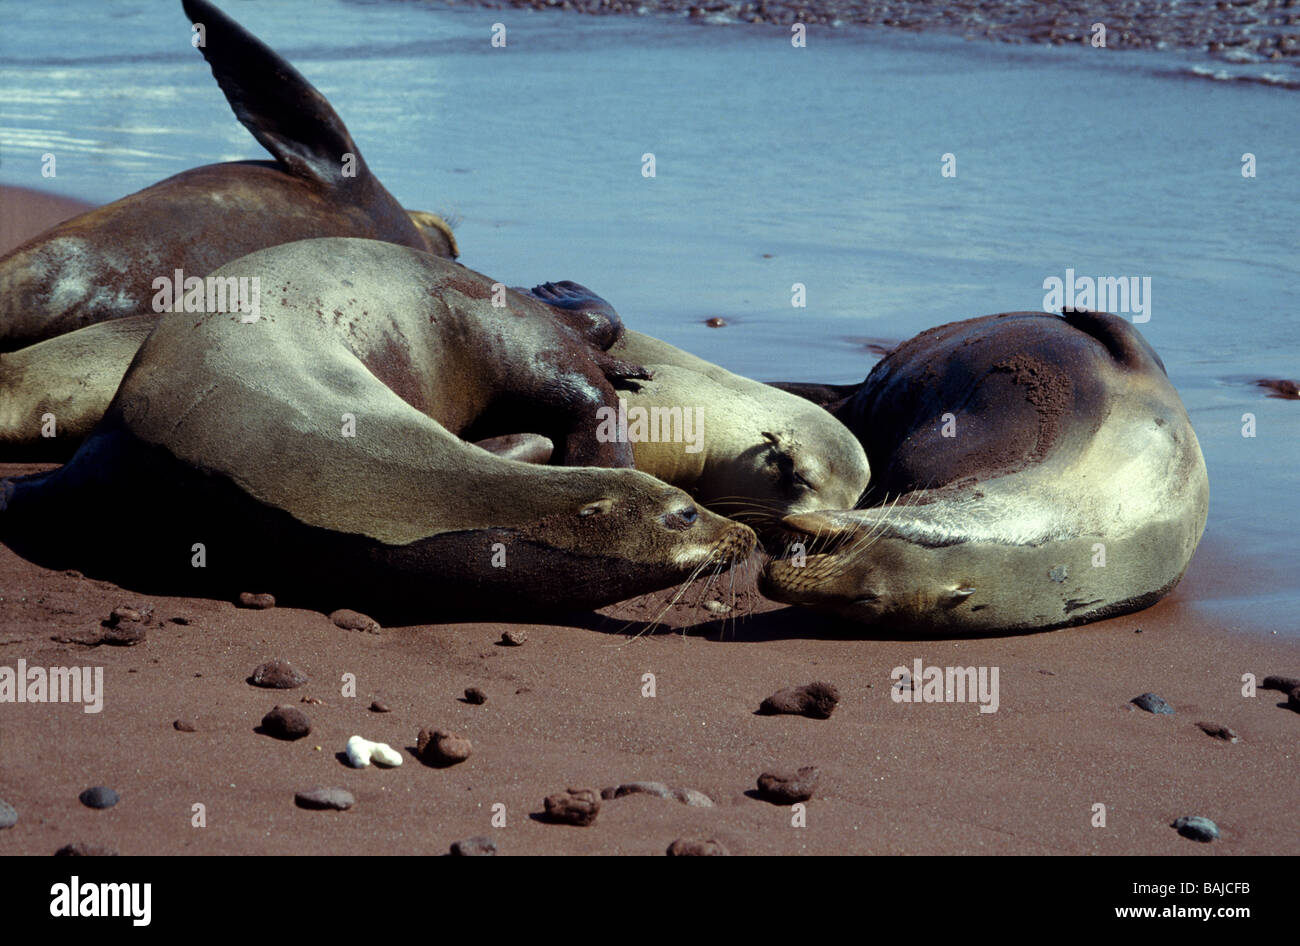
x,y
579,307
284,112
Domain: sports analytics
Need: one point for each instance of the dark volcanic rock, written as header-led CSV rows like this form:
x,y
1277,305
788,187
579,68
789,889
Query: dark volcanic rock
x,y
1152,703
355,621
323,799
257,602
474,847
277,675
475,696
683,847
286,722
442,749
78,849
577,806
1219,732
816,700
99,796
786,788
1197,828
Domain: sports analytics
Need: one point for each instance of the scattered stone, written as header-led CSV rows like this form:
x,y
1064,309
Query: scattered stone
x,y
816,701
714,606
184,622
1293,700
514,637
693,798
98,796
475,696
577,806
325,799
85,850
474,847
379,706
1285,684
1152,704
1197,828
8,815
683,847
355,621
185,725
123,614
1219,732
786,788
313,700
716,322
361,752
122,635
442,749
257,602
286,722
657,789
277,675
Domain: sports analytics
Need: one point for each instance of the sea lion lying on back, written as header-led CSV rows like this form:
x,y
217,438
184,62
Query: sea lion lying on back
x,y
102,265
317,451
1029,472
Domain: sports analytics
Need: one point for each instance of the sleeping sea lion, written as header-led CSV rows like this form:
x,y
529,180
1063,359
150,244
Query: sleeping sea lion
x,y
1030,471
317,451
102,264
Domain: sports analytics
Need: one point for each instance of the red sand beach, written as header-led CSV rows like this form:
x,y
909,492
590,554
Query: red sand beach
x,y
568,709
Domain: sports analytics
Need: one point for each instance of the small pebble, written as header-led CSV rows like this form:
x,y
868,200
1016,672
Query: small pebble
x,y
8,815
476,696
657,789
323,799
181,621
378,706
693,798
123,614
99,797
85,850
286,722
258,602
185,725
1285,684
278,675
442,749
361,752
816,701
577,806
474,847
785,788
1219,732
715,322
692,848
514,638
355,621
715,606
1152,703
1197,828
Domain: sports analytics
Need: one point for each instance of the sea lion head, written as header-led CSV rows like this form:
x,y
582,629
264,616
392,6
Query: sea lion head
x,y
436,232
625,530
858,565
798,476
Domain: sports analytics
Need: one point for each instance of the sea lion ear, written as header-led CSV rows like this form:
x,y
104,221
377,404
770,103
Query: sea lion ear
x,y
272,100
579,307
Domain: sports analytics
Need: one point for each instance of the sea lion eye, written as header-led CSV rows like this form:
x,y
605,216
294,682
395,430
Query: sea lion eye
x,y
600,506
682,518
801,480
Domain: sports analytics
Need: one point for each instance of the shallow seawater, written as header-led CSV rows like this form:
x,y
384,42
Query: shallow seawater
x,y
774,166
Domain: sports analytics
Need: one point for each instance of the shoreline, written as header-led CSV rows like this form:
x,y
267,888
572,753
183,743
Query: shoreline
x,y
1253,36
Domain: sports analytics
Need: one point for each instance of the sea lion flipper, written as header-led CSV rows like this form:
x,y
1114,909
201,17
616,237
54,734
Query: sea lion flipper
x,y
272,100
578,306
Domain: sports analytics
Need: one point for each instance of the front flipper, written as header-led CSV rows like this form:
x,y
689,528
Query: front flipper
x,y
577,306
272,100
525,448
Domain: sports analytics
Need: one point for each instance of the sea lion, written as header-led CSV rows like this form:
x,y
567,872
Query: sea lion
x,y
102,264
762,454
1030,471
317,451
